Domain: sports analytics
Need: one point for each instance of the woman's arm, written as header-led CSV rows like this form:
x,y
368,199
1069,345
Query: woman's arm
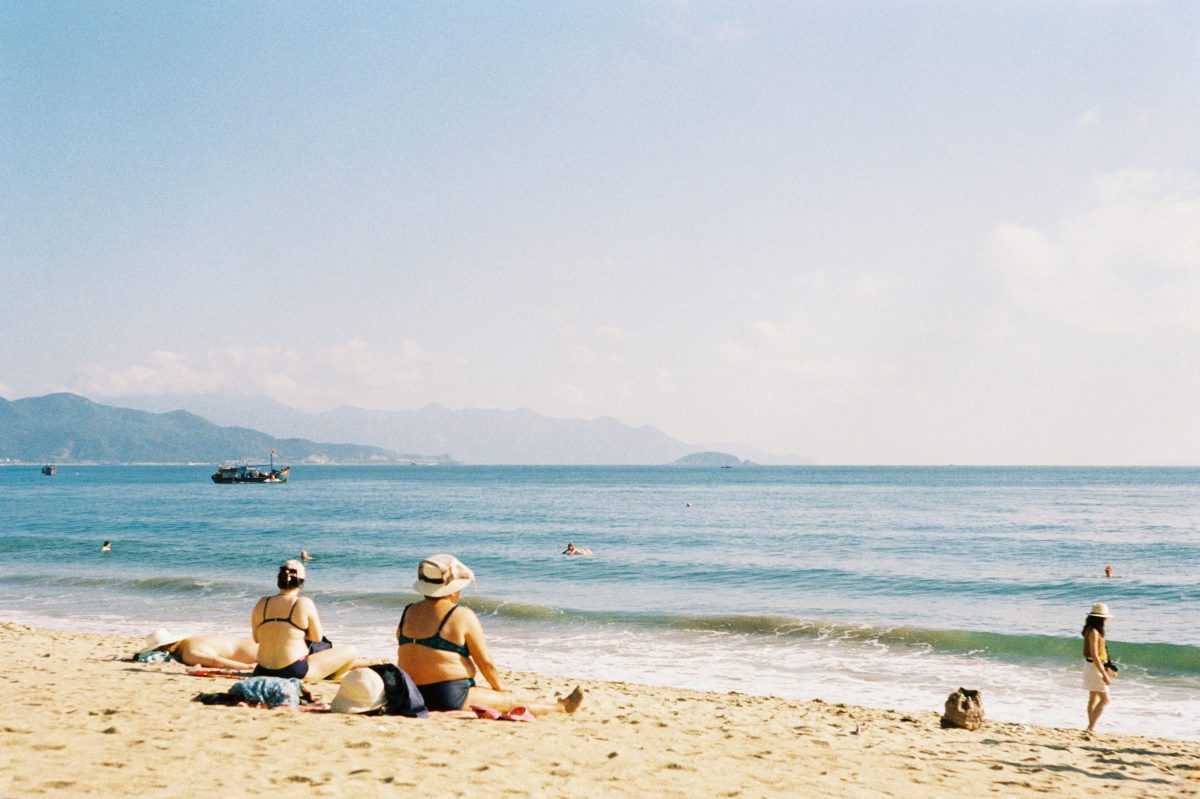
x,y
480,654
256,619
315,633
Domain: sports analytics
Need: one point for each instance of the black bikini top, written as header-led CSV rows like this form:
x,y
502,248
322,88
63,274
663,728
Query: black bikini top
x,y
289,616
435,641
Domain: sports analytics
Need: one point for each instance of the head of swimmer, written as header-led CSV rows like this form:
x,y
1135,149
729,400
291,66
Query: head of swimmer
x,y
291,575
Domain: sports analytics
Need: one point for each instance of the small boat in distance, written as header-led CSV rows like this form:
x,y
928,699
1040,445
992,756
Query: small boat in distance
x,y
50,470
252,474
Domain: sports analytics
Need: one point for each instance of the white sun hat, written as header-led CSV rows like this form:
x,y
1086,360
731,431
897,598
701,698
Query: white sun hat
x,y
442,575
361,691
158,639
1100,609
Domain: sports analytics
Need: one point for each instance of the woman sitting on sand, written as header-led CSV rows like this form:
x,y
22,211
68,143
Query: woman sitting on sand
x,y
441,645
217,651
1096,677
286,626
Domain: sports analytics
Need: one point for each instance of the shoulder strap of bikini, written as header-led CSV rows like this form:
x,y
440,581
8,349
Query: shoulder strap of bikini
x,y
293,610
445,619
400,626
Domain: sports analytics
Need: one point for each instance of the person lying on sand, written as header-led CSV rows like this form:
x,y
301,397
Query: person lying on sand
x,y
441,646
286,624
574,550
216,651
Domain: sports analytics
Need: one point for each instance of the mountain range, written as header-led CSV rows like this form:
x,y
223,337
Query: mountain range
x,y
70,428
483,436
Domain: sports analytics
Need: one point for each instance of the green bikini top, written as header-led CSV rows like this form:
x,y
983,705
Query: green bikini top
x,y
435,641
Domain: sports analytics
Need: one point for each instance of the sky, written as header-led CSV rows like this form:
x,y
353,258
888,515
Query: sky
x,y
862,232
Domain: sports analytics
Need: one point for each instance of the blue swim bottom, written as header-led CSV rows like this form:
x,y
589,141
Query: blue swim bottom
x,y
298,670
448,695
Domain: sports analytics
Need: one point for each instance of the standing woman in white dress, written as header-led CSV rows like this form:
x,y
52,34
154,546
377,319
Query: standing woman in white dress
x,y
1096,678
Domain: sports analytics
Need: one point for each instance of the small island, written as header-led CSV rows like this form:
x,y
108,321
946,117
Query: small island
x,y
722,459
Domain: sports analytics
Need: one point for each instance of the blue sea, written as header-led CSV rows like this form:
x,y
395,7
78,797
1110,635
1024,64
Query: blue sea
x,y
887,587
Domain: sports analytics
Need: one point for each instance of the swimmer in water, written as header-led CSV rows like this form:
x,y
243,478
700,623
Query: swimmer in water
x,y
304,556
574,550
106,546
1108,571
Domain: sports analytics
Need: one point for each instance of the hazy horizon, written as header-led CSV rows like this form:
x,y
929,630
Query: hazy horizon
x,y
868,233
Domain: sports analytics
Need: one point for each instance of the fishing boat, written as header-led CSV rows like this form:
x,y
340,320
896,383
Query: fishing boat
x,y
50,470
245,473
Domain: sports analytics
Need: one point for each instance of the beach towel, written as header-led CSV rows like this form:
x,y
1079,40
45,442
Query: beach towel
x,y
157,656
217,671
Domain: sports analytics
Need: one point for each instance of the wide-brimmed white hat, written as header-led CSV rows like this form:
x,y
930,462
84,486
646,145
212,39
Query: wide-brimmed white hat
x,y
1100,609
361,691
442,575
158,639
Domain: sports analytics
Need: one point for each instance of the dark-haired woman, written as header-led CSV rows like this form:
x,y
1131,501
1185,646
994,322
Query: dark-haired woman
x,y
1096,678
286,625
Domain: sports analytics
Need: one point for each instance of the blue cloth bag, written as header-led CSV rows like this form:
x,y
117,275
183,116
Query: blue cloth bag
x,y
269,691
403,696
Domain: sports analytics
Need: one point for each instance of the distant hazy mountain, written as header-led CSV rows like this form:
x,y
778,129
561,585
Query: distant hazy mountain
x,y
66,427
470,436
758,456
257,413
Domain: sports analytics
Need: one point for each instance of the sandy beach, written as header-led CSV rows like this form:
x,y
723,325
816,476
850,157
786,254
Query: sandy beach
x,y
76,721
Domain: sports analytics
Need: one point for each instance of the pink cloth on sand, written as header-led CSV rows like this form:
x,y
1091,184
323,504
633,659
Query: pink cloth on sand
x,y
516,714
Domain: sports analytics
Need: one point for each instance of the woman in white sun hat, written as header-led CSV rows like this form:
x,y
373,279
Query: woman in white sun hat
x,y
1096,666
286,626
441,646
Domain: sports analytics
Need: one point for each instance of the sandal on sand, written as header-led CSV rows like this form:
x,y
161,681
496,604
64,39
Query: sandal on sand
x,y
485,712
518,714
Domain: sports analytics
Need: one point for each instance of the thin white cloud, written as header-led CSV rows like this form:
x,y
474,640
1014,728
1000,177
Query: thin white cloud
x,y
1088,119
664,381
1130,263
570,394
682,21
869,287
581,355
348,372
778,352
159,373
